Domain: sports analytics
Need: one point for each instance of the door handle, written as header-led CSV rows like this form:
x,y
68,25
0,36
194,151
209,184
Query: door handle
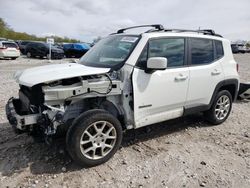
x,y
181,78
215,72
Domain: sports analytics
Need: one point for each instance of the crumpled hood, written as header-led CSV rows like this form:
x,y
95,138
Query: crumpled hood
x,y
48,73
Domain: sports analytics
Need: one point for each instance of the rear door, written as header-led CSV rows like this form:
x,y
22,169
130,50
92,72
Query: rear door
x,y
42,50
31,49
205,70
160,95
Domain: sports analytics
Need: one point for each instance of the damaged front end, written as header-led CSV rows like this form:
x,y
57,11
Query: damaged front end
x,y
48,106
244,91
17,119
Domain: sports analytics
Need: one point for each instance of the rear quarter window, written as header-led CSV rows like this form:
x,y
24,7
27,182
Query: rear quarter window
x,y
219,49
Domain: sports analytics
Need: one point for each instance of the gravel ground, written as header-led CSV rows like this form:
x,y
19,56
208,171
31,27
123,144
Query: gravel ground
x,y
181,153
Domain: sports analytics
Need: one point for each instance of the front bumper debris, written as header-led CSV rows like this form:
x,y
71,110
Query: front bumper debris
x,y
244,91
16,120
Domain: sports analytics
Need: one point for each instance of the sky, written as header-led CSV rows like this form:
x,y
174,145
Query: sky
x,y
87,19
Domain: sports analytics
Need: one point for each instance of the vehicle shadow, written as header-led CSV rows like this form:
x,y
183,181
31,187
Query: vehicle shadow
x,y
18,152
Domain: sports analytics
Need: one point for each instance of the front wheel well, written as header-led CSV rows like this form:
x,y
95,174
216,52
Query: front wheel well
x,y
112,109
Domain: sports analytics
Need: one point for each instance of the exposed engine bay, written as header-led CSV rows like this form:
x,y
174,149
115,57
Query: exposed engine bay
x,y
48,105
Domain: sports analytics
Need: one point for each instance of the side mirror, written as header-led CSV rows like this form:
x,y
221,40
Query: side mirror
x,y
156,63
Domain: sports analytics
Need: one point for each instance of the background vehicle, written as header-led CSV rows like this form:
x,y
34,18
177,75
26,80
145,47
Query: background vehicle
x,y
22,46
3,39
240,48
40,49
126,82
75,49
235,48
58,45
9,50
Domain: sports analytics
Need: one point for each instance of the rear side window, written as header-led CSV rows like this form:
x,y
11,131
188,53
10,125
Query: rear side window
x,y
219,49
67,46
202,51
9,45
41,46
171,48
78,46
30,45
24,42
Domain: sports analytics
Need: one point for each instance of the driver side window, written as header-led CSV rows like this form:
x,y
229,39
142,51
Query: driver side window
x,y
171,48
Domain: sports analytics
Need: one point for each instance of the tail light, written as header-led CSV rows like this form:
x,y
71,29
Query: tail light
x,y
237,67
3,48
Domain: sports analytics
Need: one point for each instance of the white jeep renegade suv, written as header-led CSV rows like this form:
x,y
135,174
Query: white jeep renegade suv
x,y
126,82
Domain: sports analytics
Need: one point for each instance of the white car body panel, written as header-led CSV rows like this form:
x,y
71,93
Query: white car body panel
x,y
229,65
9,52
49,73
159,96
203,80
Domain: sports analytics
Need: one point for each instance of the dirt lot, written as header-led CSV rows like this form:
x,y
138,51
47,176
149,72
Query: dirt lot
x,y
181,153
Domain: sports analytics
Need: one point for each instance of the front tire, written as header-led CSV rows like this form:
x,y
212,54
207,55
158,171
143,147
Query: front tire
x,y
93,138
220,109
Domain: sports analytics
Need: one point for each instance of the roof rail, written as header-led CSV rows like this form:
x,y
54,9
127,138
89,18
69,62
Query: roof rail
x,y
203,31
158,27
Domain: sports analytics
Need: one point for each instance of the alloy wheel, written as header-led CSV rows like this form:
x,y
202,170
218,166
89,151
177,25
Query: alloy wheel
x,y
98,140
222,107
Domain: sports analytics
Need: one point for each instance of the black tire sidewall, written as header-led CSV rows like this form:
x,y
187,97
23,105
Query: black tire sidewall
x,y
79,126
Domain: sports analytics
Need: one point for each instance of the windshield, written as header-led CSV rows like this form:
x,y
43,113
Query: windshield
x,y
111,52
9,45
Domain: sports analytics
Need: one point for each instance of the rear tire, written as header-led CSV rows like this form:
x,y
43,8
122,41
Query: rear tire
x,y
220,109
93,138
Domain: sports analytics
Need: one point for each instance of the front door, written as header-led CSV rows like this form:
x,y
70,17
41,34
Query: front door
x,y
160,95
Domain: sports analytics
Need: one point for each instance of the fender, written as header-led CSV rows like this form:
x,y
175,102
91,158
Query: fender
x,y
224,83
112,108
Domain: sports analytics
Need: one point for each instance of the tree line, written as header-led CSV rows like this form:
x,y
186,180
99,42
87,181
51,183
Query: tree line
x,y
7,32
